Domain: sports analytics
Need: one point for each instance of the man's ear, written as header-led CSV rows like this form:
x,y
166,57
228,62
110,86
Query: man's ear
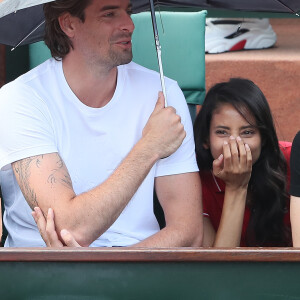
x,y
66,23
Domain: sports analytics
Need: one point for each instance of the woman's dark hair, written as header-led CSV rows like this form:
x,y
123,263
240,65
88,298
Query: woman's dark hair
x,y
56,40
267,186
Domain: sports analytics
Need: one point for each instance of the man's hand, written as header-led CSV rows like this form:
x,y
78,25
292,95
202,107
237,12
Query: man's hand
x,y
48,231
164,130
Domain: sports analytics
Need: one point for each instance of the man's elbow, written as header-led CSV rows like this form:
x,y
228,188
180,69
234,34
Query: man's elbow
x,y
198,238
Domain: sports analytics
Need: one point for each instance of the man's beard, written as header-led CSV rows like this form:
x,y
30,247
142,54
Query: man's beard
x,y
120,58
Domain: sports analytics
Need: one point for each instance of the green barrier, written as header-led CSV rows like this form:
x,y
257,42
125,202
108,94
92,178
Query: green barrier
x,y
165,274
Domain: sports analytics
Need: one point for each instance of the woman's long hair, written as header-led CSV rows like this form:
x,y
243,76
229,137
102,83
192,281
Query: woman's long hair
x,y
267,186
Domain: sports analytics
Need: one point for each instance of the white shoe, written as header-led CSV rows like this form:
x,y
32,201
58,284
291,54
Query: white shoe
x,y
224,35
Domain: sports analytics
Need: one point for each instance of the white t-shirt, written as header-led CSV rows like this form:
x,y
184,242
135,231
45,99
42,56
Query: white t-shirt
x,y
40,114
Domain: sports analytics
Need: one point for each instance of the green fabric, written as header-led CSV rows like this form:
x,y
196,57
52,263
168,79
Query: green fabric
x,y
182,43
38,53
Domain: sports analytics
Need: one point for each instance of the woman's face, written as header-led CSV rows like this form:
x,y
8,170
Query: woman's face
x,y
227,121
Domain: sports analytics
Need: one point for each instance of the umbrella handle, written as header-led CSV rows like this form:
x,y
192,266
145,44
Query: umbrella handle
x,y
158,51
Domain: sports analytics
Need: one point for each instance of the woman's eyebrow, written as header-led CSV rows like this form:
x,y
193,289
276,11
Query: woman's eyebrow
x,y
248,126
222,127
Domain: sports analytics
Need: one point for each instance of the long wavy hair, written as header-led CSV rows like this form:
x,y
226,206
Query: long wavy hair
x,y
267,185
56,40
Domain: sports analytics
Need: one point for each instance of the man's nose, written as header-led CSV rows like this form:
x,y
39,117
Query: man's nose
x,y
127,24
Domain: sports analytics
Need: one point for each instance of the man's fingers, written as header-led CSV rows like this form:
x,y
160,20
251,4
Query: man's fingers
x,y
68,239
160,101
51,232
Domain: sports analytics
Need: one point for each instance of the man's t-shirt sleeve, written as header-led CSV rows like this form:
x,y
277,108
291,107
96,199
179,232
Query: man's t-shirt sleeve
x,y
26,127
295,167
183,160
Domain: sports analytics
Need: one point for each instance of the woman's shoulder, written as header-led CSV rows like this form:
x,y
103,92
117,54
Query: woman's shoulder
x,y
286,148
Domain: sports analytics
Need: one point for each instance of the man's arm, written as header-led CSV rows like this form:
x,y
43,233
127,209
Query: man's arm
x,y
295,220
45,181
180,198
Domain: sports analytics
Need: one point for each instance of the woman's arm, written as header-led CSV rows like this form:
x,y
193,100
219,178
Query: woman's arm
x,y
234,167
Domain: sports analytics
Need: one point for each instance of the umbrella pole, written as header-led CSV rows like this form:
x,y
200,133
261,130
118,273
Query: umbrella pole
x,y
158,51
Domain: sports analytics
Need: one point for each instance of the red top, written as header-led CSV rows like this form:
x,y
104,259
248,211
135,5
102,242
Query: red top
x,y
213,190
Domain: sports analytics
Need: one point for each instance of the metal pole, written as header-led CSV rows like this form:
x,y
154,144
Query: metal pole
x,y
2,65
158,50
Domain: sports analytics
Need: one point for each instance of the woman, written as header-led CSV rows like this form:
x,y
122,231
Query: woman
x,y
243,168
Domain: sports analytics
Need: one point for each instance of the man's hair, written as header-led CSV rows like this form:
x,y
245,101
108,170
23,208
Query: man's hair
x,y
56,40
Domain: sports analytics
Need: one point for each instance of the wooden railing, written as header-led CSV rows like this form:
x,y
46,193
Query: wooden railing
x,y
151,254
2,65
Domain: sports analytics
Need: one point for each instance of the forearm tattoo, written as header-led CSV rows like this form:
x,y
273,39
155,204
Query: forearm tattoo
x,y
59,174
23,169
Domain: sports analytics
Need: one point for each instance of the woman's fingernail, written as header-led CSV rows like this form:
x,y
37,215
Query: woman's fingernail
x,y
247,147
232,137
220,157
225,143
238,139
64,232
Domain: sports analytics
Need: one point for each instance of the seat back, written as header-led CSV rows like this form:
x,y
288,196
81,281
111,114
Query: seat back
x,y
182,38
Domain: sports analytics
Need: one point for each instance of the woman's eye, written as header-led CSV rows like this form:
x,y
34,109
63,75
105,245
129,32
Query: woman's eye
x,y
221,132
248,132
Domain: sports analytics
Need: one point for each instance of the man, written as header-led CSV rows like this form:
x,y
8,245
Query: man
x,y
87,138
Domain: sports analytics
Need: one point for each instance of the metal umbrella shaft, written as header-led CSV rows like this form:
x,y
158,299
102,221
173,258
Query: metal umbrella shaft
x,y
158,51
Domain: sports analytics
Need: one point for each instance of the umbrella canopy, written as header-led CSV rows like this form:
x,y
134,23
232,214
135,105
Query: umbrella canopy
x,y
17,22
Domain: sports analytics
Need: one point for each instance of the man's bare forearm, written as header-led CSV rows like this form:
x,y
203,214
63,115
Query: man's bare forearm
x,y
89,214
173,237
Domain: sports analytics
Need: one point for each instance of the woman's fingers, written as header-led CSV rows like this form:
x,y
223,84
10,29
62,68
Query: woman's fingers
x,y
48,232
235,160
242,153
68,239
249,157
51,232
41,224
218,165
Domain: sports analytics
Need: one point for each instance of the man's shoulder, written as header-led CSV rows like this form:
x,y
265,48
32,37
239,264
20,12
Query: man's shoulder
x,y
32,75
24,90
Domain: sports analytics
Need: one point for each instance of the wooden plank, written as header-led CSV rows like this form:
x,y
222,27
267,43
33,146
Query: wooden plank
x,y
2,65
151,255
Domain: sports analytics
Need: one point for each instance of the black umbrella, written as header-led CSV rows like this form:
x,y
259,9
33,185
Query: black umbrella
x,y
26,25
16,26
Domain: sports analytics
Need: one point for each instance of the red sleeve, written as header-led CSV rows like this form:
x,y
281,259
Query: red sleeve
x,y
286,148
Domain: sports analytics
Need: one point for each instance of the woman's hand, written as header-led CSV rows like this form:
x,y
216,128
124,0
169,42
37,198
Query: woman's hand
x,y
234,166
48,232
